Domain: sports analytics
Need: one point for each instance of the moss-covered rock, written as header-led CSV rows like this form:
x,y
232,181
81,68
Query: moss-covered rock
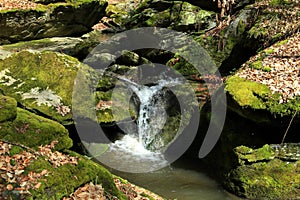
x,y
256,102
177,15
66,178
48,174
33,131
56,19
58,44
222,43
262,175
8,108
41,81
266,88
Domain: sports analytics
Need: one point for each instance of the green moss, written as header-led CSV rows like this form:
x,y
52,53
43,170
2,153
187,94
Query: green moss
x,y
183,67
15,150
257,31
248,155
247,93
220,47
279,2
282,42
266,180
46,70
28,44
32,131
66,178
266,69
241,27
105,116
261,175
258,96
268,51
257,65
8,108
147,196
115,11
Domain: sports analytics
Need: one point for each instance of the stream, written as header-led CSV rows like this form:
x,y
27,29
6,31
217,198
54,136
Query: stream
x,y
182,181
130,158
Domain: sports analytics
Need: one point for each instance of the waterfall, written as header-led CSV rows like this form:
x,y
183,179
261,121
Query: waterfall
x,y
152,114
131,153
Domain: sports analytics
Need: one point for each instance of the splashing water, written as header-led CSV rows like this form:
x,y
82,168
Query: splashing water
x,y
152,113
131,153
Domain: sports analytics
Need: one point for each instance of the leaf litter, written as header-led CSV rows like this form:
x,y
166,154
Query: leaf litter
x,y
280,69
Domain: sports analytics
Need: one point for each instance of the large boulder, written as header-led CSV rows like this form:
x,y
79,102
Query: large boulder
x,y
64,45
41,81
266,88
57,19
44,173
26,128
270,172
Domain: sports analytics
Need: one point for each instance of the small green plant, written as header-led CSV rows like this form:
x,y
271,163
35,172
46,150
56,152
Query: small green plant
x,y
257,65
267,69
269,51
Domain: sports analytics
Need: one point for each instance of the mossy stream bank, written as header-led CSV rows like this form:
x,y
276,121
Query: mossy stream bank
x,y
257,155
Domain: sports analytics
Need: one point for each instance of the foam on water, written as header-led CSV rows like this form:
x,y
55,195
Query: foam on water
x,y
129,155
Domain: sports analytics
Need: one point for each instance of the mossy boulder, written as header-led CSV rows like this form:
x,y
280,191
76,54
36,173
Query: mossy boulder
x,y
48,174
33,131
58,44
8,108
71,18
256,102
222,43
262,174
66,178
177,15
42,82
265,88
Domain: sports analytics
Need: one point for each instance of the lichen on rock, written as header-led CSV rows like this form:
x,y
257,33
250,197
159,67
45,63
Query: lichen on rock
x,y
42,81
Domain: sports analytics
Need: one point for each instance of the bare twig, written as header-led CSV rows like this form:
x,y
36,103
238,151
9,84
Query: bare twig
x,y
286,131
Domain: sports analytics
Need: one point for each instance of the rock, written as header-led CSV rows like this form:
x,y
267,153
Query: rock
x,y
53,20
261,31
58,44
220,42
68,177
33,131
260,90
41,81
180,16
49,174
262,174
8,108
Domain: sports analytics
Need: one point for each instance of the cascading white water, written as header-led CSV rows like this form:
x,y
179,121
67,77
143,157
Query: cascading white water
x,y
152,116
152,112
